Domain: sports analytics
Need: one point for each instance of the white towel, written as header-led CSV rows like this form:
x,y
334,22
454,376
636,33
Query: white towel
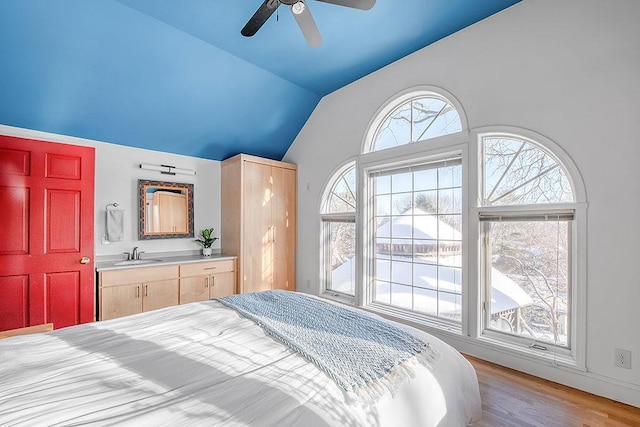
x,y
115,225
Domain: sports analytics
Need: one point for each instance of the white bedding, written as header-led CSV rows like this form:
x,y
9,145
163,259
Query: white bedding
x,y
203,364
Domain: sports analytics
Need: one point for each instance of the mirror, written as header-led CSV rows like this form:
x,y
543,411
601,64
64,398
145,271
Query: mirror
x,y
165,210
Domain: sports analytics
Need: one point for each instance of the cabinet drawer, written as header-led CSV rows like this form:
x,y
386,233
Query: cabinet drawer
x,y
209,267
137,275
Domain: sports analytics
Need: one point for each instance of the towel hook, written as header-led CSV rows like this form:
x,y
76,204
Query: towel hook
x,y
115,205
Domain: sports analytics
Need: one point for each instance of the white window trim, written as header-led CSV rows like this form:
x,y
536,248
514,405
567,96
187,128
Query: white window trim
x,y
576,356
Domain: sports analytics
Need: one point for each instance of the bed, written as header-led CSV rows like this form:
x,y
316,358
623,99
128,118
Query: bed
x,y
209,363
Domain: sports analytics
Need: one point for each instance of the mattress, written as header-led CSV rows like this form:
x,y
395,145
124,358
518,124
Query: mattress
x,y
205,364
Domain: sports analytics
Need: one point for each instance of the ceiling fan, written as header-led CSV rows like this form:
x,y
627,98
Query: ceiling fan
x,y
301,14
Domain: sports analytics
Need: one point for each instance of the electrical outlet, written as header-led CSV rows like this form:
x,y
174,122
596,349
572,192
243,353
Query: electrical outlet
x,y
623,358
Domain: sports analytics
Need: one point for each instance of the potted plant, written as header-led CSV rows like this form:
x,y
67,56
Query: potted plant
x,y
206,241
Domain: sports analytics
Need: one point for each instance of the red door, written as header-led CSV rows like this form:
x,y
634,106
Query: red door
x,y
46,243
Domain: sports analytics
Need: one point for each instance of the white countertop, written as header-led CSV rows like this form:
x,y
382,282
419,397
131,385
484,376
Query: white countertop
x,y
149,260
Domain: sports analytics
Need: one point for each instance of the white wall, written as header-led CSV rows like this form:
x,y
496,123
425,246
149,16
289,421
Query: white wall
x,y
569,70
116,179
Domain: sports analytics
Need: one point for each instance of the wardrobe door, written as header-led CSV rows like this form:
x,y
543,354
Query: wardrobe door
x,y
283,216
257,245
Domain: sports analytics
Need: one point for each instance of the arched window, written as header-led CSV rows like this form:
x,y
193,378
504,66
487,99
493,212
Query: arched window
x,y
527,218
482,237
417,117
338,214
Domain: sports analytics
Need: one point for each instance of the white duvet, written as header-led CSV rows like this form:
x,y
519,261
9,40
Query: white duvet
x,y
203,364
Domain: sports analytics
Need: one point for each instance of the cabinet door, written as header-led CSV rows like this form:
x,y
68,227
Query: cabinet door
x,y
118,301
284,216
223,284
159,294
194,289
257,252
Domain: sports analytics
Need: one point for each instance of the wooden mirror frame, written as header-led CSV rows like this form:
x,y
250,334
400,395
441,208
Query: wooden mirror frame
x,y
174,187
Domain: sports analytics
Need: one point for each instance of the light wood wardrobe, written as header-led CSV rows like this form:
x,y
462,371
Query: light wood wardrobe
x,y
259,221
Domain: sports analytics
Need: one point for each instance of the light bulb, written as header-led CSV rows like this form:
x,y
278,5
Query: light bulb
x,y
298,8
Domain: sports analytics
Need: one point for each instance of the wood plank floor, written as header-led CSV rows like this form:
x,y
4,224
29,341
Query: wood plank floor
x,y
511,398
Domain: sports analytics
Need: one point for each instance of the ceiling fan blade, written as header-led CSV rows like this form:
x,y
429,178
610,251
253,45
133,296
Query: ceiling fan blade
x,y
355,4
307,24
260,17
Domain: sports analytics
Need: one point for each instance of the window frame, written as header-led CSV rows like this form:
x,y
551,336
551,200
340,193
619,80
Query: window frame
x,y
574,357
326,218
443,148
467,143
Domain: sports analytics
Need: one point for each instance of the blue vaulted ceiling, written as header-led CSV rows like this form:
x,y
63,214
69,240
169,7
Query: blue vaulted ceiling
x,y
177,76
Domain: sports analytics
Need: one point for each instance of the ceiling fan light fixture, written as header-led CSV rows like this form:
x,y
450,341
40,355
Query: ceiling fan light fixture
x,y
298,7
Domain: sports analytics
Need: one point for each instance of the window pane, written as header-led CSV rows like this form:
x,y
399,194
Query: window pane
x,y
383,205
425,179
425,111
342,257
446,123
395,130
417,119
426,201
383,292
529,279
402,182
401,272
342,196
426,301
401,296
382,185
426,242
401,203
518,172
450,306
425,276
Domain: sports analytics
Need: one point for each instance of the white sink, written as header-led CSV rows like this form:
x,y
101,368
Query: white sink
x,y
137,261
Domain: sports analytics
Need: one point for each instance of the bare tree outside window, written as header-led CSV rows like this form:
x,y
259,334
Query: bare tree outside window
x,y
531,248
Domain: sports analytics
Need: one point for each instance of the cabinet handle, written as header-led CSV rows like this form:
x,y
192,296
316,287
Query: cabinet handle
x,y
137,291
207,282
146,290
213,281
210,268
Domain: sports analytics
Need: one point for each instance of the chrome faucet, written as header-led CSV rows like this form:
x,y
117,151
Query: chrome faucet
x,y
134,255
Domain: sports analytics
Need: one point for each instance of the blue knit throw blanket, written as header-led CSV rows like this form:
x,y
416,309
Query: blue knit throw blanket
x,y
364,355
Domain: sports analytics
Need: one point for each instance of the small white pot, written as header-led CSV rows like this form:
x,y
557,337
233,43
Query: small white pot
x,y
207,251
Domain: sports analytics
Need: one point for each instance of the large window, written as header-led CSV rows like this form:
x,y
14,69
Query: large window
x,y
478,233
339,233
418,239
527,216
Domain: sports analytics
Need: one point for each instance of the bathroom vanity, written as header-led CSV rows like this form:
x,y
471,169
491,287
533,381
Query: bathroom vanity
x,y
134,286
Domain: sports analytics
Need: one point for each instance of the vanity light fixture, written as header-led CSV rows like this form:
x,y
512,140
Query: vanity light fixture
x,y
167,169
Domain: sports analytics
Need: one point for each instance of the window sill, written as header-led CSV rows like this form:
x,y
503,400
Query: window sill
x,y
524,352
